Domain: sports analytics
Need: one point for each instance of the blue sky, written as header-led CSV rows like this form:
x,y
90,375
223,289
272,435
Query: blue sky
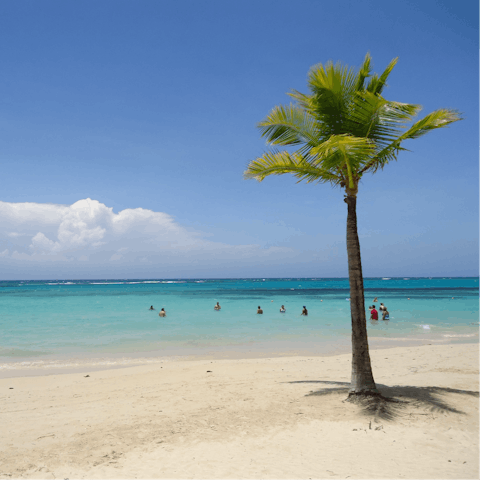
x,y
152,105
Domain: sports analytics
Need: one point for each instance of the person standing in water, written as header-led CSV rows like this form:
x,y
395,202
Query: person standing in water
x,y
151,308
385,315
162,313
282,310
259,311
304,311
373,313
217,306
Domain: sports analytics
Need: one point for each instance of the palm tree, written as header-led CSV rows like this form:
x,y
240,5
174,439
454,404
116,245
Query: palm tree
x,y
342,130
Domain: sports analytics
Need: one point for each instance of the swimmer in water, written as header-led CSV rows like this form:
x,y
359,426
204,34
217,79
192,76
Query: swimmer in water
x,y
162,313
304,311
151,308
282,310
375,300
217,306
385,315
259,311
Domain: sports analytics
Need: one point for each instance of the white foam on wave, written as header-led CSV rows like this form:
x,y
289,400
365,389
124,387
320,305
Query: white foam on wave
x,y
455,335
80,363
386,278
125,283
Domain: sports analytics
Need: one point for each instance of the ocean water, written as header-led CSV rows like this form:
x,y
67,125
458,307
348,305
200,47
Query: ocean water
x,y
94,322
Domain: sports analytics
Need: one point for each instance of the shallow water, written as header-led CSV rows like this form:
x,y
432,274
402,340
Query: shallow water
x,y
108,322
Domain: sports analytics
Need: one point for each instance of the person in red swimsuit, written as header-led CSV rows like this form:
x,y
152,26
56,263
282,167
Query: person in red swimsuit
x,y
373,313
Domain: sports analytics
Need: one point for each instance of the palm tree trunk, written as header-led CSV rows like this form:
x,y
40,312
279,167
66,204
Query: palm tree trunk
x,y
362,377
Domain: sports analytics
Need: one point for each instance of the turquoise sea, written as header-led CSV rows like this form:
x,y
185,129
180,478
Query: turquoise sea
x,y
108,322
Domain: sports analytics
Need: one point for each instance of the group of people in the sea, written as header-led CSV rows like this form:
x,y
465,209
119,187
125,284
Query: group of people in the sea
x,y
283,310
374,312
163,313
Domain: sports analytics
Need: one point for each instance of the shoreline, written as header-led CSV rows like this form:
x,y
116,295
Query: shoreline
x,y
280,417
60,365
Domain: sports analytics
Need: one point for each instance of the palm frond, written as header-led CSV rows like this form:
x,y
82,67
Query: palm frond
x,y
281,163
339,149
363,73
333,87
304,101
383,157
288,125
378,119
373,83
337,80
438,119
381,82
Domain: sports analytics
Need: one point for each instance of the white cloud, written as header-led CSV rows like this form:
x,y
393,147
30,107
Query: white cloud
x,y
40,243
16,234
88,233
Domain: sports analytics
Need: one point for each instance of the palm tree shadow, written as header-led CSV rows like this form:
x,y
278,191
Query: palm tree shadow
x,y
393,401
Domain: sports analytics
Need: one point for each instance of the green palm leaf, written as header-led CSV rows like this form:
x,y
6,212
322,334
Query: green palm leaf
x,y
332,87
377,84
281,163
378,119
364,73
289,125
339,149
437,119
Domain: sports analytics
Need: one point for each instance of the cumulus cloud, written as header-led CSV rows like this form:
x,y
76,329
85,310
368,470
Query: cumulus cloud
x,y
89,233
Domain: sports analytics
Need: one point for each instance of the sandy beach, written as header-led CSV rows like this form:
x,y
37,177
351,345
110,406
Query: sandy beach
x,y
253,418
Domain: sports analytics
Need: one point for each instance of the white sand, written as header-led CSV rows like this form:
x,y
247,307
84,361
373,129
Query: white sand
x,y
255,418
